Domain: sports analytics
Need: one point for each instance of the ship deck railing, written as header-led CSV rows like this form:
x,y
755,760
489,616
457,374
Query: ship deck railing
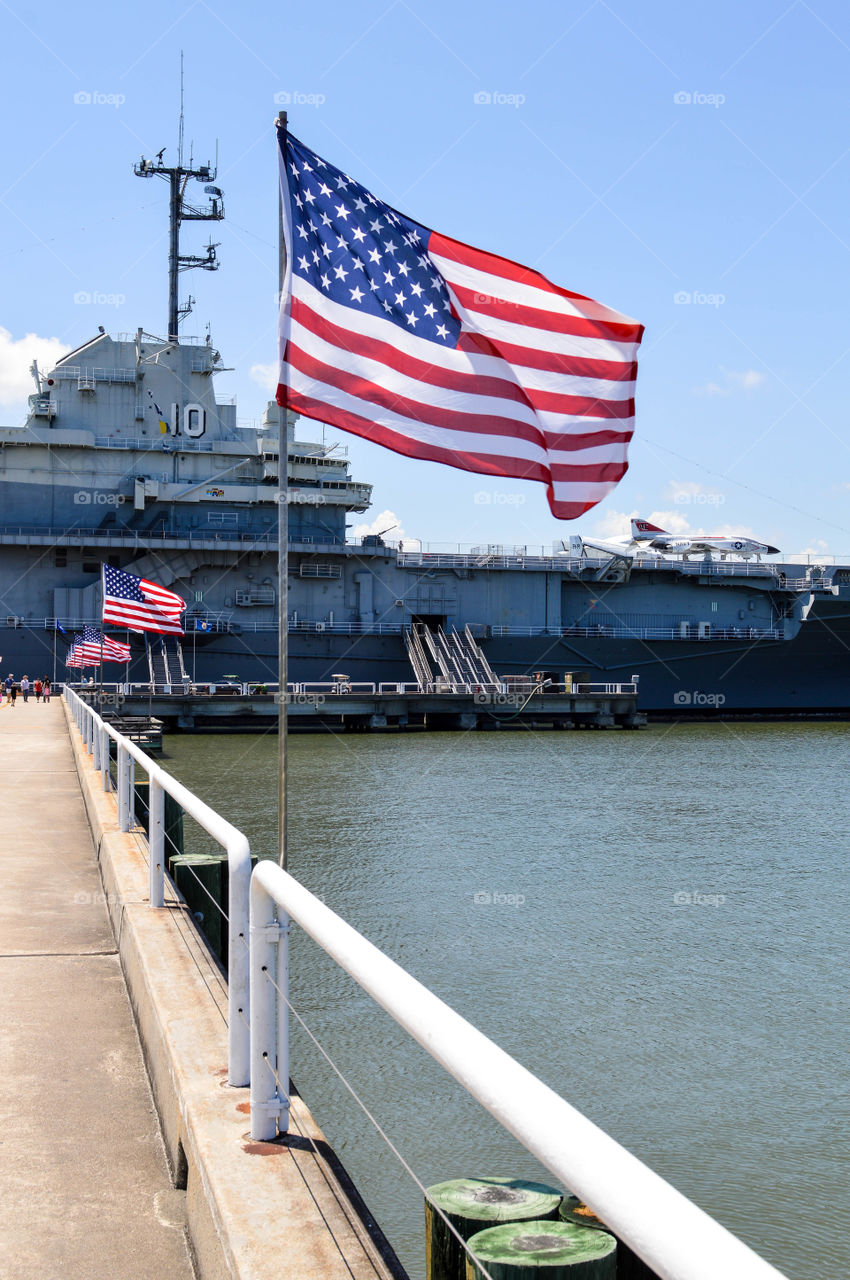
x,y
677,1239
578,565
110,694
481,631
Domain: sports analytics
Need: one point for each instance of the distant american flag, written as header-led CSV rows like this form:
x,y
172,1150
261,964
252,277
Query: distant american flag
x,y
86,649
74,657
444,352
140,605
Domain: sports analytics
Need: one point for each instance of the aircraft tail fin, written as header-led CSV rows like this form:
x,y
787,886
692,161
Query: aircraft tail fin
x,y
643,529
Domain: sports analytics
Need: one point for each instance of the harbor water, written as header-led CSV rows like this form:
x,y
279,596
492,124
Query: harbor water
x,y
654,923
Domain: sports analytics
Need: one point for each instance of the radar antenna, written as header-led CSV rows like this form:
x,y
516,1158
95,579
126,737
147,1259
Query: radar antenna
x,y
181,210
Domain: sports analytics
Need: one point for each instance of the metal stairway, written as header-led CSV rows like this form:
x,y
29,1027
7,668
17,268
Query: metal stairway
x,y
417,656
483,673
156,664
173,651
457,658
165,662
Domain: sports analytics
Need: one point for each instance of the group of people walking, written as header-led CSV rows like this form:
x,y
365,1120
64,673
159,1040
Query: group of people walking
x,y
41,688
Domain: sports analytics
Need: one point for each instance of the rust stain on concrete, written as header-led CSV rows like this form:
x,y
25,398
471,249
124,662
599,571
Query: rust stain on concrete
x,y
263,1149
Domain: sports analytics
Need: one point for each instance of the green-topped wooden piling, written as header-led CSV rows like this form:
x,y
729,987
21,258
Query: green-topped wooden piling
x,y
629,1265
543,1250
471,1204
202,879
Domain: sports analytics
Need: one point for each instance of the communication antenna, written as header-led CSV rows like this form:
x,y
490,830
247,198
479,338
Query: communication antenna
x,y
180,131
181,210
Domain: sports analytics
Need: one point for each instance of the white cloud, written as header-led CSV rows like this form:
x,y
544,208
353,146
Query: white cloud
x,y
815,551
389,524
670,522
15,359
732,380
613,524
617,524
266,375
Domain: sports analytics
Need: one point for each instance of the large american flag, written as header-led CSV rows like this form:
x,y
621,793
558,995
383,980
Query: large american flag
x,y
140,605
444,352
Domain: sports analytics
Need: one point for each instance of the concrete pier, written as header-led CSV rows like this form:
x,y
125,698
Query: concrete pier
x,y
124,1152
85,1189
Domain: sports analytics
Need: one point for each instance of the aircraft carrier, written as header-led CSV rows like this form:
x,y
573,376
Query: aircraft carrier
x,y
127,457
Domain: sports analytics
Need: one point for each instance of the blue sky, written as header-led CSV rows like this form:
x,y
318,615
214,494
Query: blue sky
x,y
687,165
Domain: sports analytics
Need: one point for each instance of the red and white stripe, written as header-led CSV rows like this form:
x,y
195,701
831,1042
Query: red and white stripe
x,y
115,651
539,387
162,612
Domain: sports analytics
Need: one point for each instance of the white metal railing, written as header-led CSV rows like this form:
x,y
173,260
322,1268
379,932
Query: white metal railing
x,y
96,734
64,372
161,444
678,1240
672,1235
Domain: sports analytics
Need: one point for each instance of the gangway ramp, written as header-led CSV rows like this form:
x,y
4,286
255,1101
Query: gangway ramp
x,y
459,664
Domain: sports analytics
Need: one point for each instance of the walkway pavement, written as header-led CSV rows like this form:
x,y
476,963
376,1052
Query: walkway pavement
x,y
85,1192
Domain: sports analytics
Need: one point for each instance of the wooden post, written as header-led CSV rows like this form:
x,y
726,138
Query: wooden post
x,y
471,1204
543,1251
629,1265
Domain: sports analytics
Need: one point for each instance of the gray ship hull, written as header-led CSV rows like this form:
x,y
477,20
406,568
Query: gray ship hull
x,y
808,675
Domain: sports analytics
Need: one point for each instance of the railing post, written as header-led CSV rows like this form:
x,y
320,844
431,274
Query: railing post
x,y
269,1111
105,760
238,961
156,843
123,814
283,1019
131,792
96,747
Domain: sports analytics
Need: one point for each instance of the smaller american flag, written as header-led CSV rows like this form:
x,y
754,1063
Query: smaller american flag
x,y
89,645
140,605
113,650
74,657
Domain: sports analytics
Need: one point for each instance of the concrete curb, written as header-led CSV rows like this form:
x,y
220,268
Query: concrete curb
x,y
292,1217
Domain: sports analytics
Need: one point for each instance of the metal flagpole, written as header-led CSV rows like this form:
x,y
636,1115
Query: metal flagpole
x,y
282,551
100,688
282,960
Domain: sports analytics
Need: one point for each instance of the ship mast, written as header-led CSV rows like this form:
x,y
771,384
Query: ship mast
x,y
181,210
